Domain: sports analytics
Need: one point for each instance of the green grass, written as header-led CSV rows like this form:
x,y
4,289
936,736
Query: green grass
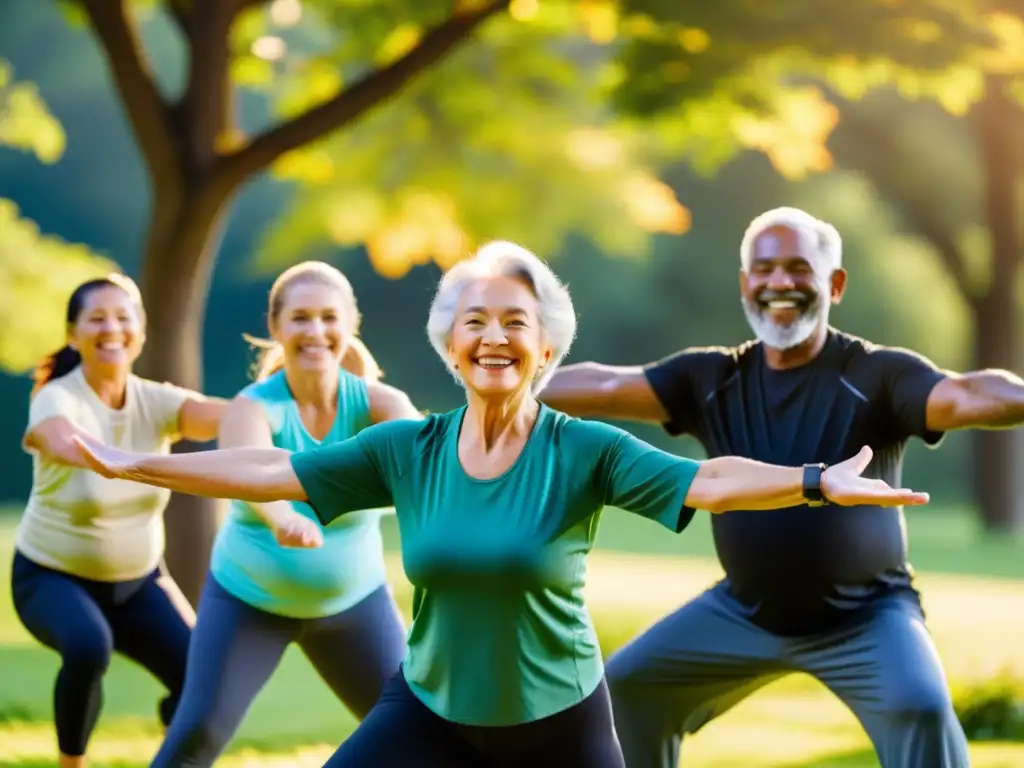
x,y
974,592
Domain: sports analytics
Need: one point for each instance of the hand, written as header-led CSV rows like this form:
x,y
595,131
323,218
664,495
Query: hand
x,y
104,460
842,484
297,531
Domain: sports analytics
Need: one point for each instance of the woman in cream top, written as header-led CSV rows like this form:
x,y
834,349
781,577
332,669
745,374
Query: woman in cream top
x,y
87,572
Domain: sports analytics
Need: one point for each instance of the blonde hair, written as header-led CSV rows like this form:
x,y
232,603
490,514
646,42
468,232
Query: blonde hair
x,y
505,259
356,359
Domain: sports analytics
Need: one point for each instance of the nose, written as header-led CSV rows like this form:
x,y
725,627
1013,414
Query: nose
x,y
317,327
110,325
780,279
494,334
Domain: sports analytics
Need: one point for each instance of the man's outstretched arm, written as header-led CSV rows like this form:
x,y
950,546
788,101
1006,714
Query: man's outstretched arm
x,y
989,399
604,391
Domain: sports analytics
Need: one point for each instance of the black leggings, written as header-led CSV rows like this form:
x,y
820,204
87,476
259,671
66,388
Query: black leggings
x,y
235,649
85,622
400,731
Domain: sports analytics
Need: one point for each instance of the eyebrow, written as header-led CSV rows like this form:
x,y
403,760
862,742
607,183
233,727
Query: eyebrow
x,y
478,310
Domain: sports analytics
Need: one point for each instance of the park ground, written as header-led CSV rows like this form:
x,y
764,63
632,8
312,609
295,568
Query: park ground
x,y
974,597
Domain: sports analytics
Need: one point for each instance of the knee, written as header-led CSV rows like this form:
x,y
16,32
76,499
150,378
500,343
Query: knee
x,y
924,702
89,654
194,735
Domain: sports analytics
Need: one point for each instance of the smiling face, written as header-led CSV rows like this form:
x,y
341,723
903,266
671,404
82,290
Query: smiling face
x,y
312,326
787,291
497,342
108,331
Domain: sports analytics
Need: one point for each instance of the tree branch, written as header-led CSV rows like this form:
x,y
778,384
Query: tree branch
x,y
206,99
353,102
147,111
877,147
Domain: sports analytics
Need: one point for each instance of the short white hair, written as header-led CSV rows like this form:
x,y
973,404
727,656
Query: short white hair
x,y
825,246
504,259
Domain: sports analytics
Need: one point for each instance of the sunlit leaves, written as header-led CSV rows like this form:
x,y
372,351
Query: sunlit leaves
x,y
37,274
25,122
795,137
509,138
35,271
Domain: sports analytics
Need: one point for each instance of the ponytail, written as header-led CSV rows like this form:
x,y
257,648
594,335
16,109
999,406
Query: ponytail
x,y
60,363
357,359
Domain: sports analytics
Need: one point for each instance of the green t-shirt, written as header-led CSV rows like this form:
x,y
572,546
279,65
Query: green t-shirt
x,y
500,634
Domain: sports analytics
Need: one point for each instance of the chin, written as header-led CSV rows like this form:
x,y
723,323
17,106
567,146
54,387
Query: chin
x,y
496,388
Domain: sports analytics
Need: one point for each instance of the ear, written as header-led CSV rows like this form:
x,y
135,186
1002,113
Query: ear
x,y
837,285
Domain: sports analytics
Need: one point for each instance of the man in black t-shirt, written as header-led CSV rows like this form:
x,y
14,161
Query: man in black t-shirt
x,y
823,591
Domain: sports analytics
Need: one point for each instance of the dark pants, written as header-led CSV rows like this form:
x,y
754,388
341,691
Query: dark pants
x,y
705,658
236,648
85,622
401,731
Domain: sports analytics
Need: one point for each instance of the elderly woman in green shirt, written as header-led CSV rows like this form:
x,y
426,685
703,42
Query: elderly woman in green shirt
x,y
498,503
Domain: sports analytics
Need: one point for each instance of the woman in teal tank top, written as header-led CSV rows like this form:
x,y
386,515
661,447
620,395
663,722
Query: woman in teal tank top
x,y
327,592
498,504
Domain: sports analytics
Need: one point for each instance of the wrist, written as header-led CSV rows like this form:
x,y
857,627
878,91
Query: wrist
x,y
815,485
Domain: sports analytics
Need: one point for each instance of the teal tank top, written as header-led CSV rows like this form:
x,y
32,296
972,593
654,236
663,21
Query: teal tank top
x,y
302,583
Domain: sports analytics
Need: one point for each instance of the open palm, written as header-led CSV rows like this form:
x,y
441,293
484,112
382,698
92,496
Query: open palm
x,y
845,485
104,460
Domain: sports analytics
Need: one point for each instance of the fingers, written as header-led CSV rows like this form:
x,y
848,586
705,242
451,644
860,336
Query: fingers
x,y
862,459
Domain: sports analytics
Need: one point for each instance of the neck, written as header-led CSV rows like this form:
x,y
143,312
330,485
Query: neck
x,y
109,386
491,422
316,389
801,354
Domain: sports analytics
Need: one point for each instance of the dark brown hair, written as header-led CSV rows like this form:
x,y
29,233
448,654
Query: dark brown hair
x,y
66,359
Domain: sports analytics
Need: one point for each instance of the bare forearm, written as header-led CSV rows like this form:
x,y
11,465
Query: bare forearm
x,y
996,400
730,482
248,474
603,391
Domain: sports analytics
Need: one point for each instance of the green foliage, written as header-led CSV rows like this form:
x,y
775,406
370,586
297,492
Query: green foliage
x,y
506,138
35,270
25,123
993,710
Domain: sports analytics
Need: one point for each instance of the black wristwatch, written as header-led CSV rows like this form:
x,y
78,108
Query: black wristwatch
x,y
812,485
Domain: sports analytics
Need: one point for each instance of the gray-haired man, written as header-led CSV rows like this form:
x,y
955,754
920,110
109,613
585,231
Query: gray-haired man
x,y
826,594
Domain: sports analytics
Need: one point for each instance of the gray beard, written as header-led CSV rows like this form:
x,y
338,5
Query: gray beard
x,y
785,336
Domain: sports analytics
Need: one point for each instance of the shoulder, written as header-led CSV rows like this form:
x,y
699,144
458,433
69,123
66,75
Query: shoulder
x,y
581,436
271,389
862,355
405,433
710,364
59,397
388,403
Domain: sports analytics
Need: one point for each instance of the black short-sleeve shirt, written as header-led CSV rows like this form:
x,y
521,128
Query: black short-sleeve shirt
x,y
800,570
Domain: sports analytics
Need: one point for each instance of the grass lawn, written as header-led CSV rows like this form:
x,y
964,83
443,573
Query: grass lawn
x,y
974,593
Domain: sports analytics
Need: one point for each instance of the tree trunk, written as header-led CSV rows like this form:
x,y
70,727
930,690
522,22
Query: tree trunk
x,y
180,253
999,454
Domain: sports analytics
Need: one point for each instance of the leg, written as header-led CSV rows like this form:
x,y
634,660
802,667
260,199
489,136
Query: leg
x,y
356,652
152,629
582,736
400,731
234,650
886,669
683,672
61,614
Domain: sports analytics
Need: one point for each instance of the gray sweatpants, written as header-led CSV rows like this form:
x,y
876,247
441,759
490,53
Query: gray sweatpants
x,y
702,660
235,648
